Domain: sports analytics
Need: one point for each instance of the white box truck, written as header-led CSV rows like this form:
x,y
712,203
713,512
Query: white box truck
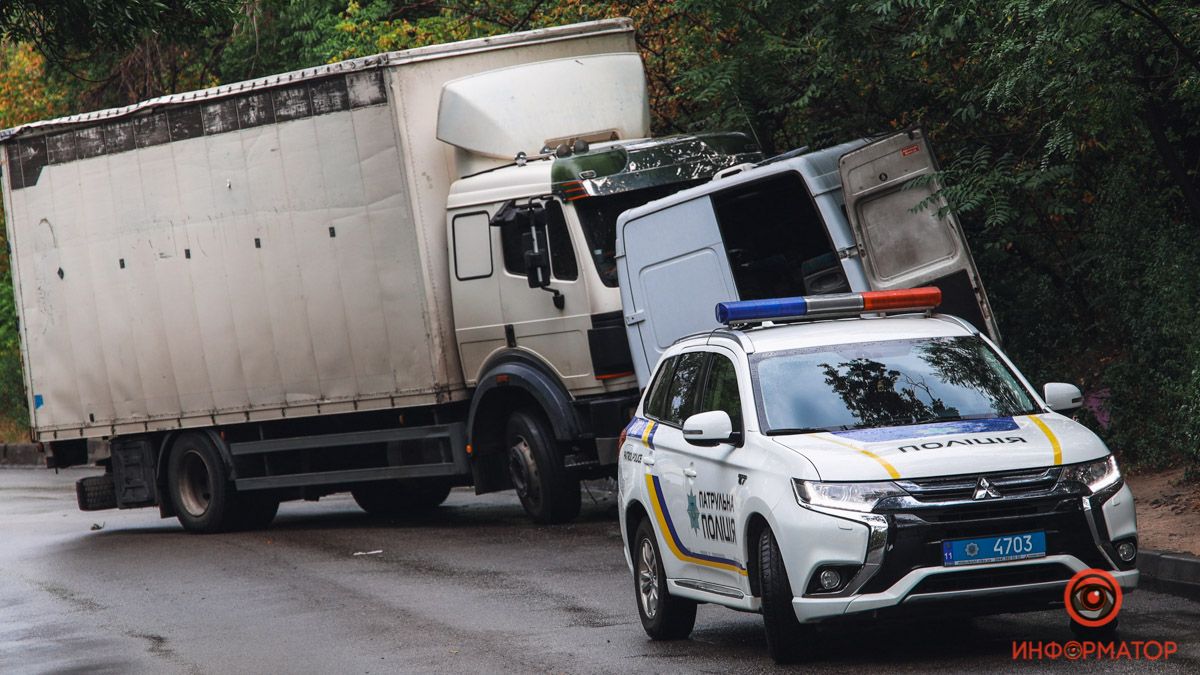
x,y
397,274
389,275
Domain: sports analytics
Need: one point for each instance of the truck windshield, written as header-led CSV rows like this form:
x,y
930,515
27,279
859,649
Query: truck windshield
x,y
598,217
884,384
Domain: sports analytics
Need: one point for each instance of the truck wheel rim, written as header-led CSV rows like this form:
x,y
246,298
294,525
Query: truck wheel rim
x,y
647,579
524,472
195,484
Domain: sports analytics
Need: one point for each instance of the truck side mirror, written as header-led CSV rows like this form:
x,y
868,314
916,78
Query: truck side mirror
x,y
1062,397
708,428
537,263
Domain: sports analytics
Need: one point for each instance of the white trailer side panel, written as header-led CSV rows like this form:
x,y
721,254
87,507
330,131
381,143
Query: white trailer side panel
x,y
262,268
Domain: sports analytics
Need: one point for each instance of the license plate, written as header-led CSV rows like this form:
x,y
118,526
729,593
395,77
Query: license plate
x,y
993,549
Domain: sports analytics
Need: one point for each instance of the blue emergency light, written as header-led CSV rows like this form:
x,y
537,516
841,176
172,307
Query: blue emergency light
x,y
780,309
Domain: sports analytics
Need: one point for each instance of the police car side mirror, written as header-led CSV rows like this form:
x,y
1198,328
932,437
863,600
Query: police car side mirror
x,y
1062,397
708,428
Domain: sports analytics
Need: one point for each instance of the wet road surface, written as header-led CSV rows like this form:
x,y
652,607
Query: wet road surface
x,y
473,587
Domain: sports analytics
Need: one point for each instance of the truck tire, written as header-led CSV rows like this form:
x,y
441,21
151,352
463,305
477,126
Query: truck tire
x,y
199,486
787,638
96,493
548,492
664,616
400,497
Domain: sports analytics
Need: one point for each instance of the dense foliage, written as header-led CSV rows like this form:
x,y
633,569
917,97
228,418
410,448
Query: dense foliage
x,y
1066,129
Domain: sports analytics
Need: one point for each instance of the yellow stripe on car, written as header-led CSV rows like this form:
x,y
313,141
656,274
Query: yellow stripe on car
x,y
1053,439
667,529
882,462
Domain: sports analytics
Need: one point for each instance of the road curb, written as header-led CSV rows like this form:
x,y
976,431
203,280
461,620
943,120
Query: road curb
x,y
1173,573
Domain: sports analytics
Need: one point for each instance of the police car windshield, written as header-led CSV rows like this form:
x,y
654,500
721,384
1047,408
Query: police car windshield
x,y
884,384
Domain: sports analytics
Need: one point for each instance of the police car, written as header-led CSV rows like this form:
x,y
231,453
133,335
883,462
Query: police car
x,y
810,467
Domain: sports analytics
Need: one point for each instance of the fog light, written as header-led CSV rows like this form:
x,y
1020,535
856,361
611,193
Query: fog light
x,y
1126,550
830,579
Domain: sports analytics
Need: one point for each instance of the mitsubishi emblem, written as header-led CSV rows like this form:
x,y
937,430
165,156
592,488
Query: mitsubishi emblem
x,y
985,490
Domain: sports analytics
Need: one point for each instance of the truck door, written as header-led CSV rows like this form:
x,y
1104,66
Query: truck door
x,y
550,321
903,246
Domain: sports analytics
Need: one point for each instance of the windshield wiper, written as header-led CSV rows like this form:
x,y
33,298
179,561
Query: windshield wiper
x,y
807,430
795,430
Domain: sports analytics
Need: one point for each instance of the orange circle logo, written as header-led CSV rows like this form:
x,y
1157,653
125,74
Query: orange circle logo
x,y
1093,598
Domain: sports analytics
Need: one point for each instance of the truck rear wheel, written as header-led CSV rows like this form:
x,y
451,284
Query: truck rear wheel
x,y
548,492
199,485
400,497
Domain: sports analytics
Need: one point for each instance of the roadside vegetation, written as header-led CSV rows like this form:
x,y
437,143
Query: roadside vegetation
x,y
1066,131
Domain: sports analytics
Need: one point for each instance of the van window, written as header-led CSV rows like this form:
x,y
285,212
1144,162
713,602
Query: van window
x,y
776,241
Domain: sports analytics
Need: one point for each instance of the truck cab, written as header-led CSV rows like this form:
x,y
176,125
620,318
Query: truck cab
x,y
531,245
534,283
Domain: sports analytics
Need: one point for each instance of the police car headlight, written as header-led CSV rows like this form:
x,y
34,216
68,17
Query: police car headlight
x,y
851,496
1096,475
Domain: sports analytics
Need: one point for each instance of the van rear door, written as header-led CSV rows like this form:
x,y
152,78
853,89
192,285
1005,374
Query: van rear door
x,y
673,270
903,246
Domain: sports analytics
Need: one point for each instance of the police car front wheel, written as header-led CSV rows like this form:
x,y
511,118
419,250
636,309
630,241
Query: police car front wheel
x,y
664,616
787,638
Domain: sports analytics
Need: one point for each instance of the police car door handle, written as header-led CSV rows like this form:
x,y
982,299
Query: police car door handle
x,y
689,472
647,460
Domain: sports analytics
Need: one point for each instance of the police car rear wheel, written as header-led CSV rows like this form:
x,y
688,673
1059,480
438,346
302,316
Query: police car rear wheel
x,y
549,493
664,616
786,637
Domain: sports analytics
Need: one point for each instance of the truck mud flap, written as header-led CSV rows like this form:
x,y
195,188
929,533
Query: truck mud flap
x,y
96,493
133,472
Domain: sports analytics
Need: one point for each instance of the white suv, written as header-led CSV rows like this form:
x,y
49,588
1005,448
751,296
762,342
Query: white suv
x,y
810,470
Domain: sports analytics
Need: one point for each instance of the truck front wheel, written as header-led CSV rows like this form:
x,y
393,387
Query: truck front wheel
x,y
199,486
548,492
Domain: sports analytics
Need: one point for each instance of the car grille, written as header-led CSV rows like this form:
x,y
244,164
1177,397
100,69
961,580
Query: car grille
x,y
957,488
917,531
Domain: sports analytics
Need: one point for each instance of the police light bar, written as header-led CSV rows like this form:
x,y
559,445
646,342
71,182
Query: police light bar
x,y
782,309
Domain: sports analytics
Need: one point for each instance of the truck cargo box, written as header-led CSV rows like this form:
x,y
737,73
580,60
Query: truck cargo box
x,y
260,250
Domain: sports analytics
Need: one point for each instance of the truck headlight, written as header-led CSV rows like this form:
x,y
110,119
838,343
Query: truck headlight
x,y
1096,475
851,496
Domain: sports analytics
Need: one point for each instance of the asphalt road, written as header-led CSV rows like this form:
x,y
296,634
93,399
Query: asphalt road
x,y
472,588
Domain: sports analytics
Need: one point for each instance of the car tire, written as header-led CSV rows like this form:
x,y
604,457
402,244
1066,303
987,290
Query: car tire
x,y
199,486
391,498
664,616
787,638
549,493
